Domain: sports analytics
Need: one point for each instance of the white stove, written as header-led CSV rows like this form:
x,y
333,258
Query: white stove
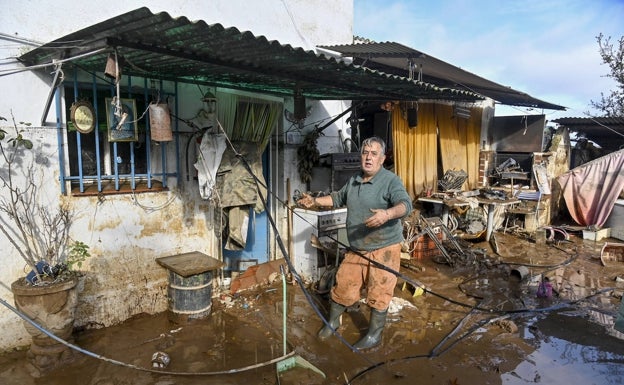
x,y
329,226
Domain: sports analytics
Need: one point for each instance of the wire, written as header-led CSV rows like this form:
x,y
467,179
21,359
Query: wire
x,y
470,331
150,209
11,71
131,366
280,243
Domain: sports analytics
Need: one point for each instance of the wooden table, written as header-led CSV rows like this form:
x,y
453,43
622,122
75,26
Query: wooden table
x,y
454,202
492,204
446,205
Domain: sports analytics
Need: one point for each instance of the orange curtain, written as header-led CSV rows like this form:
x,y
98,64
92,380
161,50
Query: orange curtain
x,y
459,142
416,149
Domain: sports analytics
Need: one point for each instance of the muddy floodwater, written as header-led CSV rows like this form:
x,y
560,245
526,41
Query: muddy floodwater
x,y
478,322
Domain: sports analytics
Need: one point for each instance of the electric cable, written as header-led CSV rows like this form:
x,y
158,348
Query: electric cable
x,y
476,307
472,330
280,243
373,262
136,367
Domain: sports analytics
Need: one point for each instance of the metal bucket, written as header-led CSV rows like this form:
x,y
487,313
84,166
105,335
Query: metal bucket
x,y
160,122
190,297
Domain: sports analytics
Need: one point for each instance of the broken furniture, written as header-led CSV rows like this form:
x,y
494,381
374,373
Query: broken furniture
x,y
190,284
514,175
430,225
612,254
492,205
446,205
529,211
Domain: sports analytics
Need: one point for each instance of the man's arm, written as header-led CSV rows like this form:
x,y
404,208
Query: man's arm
x,y
308,201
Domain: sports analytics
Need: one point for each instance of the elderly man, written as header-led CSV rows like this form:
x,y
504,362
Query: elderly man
x,y
376,200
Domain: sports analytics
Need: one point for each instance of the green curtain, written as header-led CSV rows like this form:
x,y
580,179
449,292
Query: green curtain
x,y
246,119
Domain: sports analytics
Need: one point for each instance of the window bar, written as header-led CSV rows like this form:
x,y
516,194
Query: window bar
x,y
163,156
132,144
148,141
78,137
59,138
177,135
98,161
132,166
163,150
116,166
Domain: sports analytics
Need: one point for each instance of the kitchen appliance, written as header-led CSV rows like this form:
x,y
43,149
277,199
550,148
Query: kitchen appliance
x,y
329,227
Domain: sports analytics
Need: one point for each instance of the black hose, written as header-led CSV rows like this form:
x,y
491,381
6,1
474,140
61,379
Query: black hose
x,y
112,361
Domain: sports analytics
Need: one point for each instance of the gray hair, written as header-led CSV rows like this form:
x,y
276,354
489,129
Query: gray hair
x,y
374,139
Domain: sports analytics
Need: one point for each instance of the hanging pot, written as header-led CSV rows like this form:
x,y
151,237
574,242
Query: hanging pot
x,y
160,122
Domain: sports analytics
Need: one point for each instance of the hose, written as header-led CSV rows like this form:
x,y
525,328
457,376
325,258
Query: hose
x,y
135,367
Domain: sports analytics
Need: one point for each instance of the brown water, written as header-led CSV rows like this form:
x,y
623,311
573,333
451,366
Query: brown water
x,y
435,338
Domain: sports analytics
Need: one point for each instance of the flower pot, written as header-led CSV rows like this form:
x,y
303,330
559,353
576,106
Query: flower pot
x,y
52,307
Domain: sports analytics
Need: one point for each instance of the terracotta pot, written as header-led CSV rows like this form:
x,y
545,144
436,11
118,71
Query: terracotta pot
x,y
52,307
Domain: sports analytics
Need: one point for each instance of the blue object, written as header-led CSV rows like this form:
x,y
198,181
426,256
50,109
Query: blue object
x,y
41,267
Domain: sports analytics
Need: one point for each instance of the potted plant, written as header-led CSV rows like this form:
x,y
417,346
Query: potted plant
x,y
39,231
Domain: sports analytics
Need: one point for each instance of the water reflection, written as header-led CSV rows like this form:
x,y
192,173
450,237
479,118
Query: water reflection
x,y
575,351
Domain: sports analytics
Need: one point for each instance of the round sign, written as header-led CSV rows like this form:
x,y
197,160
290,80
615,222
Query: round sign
x,y
83,117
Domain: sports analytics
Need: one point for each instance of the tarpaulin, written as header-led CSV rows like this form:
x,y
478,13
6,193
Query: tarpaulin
x,y
591,189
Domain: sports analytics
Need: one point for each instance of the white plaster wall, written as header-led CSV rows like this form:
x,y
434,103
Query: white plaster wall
x,y
126,234
301,23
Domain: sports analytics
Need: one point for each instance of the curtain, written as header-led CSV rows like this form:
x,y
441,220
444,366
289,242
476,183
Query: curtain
x,y
459,142
590,190
246,119
416,149
248,123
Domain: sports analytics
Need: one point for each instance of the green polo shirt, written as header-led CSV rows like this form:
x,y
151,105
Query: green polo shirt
x,y
383,191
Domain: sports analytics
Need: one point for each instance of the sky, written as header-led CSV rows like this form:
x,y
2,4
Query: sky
x,y
545,48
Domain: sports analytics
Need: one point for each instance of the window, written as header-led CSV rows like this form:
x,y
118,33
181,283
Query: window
x,y
103,161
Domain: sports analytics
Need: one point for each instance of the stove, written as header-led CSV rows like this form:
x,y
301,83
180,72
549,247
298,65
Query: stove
x,y
328,226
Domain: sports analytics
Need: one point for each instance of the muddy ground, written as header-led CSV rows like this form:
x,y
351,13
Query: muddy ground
x,y
477,323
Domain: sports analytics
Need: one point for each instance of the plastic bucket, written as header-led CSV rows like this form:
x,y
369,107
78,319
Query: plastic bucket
x,y
190,297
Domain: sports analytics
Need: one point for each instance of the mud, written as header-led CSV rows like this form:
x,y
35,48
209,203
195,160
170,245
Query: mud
x,y
477,323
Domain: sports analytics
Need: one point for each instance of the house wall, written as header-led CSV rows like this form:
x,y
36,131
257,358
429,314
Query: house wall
x,y
126,232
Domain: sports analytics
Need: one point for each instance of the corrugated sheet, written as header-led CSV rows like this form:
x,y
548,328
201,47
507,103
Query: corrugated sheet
x,y
391,57
157,45
608,133
590,122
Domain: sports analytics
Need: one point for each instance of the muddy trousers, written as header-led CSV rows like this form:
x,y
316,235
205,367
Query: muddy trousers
x,y
356,272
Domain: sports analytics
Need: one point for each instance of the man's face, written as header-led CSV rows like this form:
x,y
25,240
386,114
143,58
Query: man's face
x,y
372,159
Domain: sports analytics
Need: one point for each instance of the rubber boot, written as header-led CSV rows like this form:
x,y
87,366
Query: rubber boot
x,y
335,311
373,336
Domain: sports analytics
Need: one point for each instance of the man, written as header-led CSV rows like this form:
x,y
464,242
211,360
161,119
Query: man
x,y
376,200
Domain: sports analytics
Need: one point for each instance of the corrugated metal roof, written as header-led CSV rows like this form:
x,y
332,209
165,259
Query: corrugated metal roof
x,y
590,122
158,45
607,132
391,57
